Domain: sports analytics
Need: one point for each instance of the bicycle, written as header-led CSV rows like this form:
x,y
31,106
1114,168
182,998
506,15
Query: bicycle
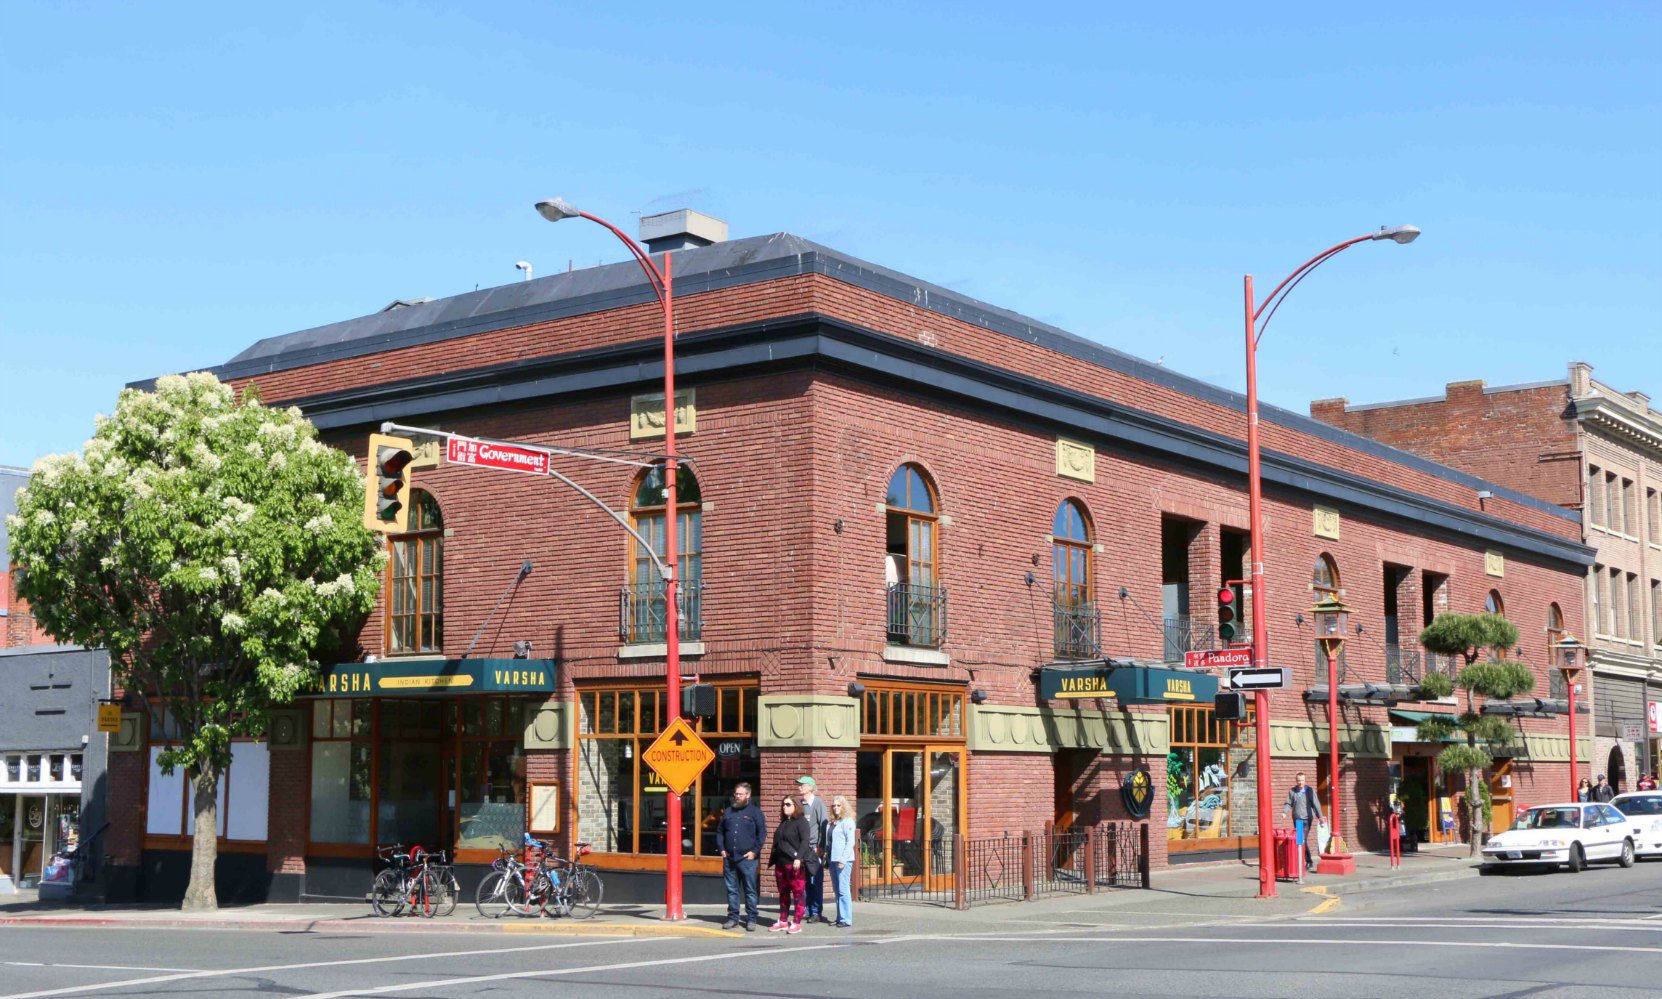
x,y
568,887
502,890
412,880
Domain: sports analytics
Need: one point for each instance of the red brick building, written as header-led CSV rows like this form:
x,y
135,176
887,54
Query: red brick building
x,y
903,505
1596,451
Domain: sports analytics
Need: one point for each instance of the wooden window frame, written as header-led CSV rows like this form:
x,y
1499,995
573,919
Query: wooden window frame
x,y
928,520
747,710
889,709
1068,591
639,516
421,536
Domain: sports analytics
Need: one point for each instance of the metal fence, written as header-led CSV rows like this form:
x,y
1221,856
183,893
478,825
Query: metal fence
x,y
641,609
1078,628
1184,634
1016,867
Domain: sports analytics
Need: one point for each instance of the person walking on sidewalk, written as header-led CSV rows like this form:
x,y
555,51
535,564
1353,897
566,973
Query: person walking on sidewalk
x,y
740,835
1584,790
1306,812
1602,791
842,859
793,859
813,809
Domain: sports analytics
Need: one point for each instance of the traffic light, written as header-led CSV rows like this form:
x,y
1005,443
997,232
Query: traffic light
x,y
1229,705
387,484
1228,614
698,700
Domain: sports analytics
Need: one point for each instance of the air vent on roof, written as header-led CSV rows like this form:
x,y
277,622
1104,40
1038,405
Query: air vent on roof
x,y
682,229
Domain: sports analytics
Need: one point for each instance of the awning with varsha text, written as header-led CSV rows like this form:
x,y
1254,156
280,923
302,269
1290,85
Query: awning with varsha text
x,y
442,677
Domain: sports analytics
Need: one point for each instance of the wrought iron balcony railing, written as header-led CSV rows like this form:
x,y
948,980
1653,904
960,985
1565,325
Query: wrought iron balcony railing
x,y
1078,629
641,612
1403,666
1184,634
917,614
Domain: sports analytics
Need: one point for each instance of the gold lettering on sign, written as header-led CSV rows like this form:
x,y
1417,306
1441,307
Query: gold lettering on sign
x,y
1075,460
1327,523
1494,563
1180,690
646,414
1085,686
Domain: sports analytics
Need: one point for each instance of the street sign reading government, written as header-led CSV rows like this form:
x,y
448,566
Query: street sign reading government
x,y
678,755
489,454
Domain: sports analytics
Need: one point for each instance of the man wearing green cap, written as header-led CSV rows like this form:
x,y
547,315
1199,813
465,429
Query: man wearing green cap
x,y
813,809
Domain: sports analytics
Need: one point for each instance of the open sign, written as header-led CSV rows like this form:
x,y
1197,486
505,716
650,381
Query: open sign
x,y
730,747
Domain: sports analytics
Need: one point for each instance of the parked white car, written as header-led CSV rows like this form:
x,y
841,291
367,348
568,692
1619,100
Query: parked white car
x,y
1644,812
1573,834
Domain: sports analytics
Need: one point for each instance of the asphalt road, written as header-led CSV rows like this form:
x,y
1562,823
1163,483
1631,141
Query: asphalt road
x,y
1593,934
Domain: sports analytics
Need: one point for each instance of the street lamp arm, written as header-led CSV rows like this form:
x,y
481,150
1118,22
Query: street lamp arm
x,y
1309,265
652,273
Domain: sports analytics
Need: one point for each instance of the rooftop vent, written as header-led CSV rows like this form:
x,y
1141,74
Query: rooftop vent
x,y
682,229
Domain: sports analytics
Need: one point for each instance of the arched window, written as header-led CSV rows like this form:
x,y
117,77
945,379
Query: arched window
x,y
1494,605
1077,628
917,604
1555,629
643,603
1325,579
1071,554
415,575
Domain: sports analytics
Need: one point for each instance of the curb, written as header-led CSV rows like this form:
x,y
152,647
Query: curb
x,y
1404,881
376,926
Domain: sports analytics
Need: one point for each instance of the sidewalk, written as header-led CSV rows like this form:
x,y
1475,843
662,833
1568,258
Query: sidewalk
x,y
1181,895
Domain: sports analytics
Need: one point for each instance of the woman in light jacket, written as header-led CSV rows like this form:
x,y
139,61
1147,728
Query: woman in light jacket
x,y
842,859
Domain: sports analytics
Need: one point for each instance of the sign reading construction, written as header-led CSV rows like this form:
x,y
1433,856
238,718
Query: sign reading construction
x,y
678,756
489,454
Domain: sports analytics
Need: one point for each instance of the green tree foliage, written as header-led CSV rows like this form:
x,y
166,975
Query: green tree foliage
x,y
1480,642
214,547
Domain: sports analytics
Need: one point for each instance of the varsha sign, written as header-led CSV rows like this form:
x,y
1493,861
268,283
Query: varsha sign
x,y
489,454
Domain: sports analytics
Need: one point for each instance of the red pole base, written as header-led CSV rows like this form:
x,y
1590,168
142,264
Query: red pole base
x,y
1336,863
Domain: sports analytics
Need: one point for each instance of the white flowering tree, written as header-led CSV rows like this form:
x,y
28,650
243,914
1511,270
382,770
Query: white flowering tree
x,y
215,547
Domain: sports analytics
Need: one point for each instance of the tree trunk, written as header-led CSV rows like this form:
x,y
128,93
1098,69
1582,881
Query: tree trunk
x,y
204,846
1474,812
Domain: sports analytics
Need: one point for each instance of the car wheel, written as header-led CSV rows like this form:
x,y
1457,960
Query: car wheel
x,y
1486,871
1627,853
1578,860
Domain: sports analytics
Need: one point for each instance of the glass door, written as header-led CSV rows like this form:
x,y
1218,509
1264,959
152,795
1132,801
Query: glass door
x,y
909,803
33,821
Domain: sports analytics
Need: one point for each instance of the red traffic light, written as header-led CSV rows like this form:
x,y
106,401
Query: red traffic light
x,y
1226,595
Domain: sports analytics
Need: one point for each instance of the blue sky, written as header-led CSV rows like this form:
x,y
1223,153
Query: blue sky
x,y
179,180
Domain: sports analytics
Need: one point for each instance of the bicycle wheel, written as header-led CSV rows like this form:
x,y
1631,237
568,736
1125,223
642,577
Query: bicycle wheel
x,y
448,892
530,901
387,894
497,894
582,893
424,895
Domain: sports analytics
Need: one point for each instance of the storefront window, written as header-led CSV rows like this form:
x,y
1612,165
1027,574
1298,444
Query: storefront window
x,y
243,796
491,810
340,771
1210,802
622,804
411,775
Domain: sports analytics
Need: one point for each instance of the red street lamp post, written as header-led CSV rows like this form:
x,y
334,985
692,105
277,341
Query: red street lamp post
x,y
1566,650
1255,499
658,278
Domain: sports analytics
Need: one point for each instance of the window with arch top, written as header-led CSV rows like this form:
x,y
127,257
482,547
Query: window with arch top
x,y
1325,579
1493,603
415,581
644,613
1070,533
911,567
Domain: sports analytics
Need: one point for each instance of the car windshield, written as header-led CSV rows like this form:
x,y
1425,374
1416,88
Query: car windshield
x,y
1549,818
1648,804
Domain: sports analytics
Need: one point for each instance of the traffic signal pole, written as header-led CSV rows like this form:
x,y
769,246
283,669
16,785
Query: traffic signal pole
x,y
1260,631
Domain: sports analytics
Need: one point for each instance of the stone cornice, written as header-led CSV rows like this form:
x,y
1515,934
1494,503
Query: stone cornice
x,y
1610,417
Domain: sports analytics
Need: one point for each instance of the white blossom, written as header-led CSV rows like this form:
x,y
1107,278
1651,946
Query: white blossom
x,y
232,621
78,528
209,574
321,522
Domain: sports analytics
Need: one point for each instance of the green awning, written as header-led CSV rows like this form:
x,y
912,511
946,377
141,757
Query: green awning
x,y
404,677
1407,732
1130,684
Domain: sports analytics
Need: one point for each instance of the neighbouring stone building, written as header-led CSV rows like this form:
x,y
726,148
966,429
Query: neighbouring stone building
x,y
907,513
1590,448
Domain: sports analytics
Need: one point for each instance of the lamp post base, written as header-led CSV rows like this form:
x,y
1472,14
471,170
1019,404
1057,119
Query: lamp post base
x,y
1336,863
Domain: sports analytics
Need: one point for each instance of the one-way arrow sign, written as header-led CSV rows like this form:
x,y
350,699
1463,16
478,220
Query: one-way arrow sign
x,y
1266,678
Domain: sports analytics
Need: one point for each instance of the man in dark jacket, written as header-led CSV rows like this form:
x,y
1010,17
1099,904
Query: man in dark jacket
x,y
1602,791
740,834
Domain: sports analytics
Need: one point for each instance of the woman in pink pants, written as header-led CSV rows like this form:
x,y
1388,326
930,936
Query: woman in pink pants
x,y
793,861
